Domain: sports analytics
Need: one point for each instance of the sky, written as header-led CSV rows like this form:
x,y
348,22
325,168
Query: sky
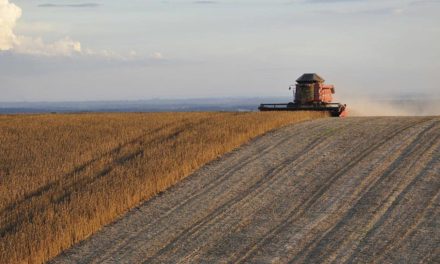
x,y
68,50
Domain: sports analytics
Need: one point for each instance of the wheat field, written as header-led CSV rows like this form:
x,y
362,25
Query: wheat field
x,y
63,177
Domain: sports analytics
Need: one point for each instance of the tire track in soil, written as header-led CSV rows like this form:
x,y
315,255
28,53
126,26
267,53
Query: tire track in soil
x,y
416,147
220,212
297,212
200,219
298,207
269,179
417,217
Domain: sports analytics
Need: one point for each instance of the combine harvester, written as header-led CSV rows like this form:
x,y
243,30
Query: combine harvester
x,y
310,94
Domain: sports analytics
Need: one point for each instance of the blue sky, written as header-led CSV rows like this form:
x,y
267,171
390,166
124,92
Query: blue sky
x,y
111,50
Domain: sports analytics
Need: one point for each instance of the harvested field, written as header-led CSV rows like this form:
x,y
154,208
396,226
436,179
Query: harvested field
x,y
62,177
354,190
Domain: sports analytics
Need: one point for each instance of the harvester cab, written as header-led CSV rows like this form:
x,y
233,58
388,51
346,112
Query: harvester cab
x,y
310,94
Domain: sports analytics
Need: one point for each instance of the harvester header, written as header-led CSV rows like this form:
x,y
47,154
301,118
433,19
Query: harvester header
x,y
310,94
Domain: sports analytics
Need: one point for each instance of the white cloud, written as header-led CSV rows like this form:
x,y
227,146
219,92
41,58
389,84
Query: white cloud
x,y
36,46
9,14
157,56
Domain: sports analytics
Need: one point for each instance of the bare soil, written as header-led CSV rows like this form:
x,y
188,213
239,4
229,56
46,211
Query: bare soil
x,y
352,190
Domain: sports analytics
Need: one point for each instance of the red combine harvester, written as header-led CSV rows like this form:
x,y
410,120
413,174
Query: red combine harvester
x,y
310,94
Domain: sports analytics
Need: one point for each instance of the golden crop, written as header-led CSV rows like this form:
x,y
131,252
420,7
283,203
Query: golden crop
x,y
62,177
